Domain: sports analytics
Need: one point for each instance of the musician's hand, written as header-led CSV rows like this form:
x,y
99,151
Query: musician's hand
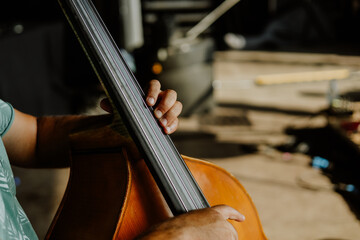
x,y
166,107
204,224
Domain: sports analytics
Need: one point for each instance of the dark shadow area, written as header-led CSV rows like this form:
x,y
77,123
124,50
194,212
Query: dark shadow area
x,y
335,154
353,96
43,71
204,145
322,26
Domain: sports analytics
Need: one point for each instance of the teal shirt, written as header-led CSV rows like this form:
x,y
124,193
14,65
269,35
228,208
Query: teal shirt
x,y
14,223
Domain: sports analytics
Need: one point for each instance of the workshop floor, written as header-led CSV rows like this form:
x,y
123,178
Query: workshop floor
x,y
294,200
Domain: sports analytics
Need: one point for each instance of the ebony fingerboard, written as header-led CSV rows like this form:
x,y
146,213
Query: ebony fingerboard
x,y
164,161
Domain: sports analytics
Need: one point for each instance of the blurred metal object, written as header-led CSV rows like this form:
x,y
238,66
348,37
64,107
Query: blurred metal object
x,y
206,22
130,12
188,70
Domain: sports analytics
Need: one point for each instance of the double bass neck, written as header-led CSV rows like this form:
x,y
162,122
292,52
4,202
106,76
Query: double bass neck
x,y
167,166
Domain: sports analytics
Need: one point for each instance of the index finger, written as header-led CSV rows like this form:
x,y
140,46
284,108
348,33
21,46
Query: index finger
x,y
154,88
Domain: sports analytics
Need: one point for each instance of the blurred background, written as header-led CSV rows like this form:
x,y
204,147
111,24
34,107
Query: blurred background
x,y
270,90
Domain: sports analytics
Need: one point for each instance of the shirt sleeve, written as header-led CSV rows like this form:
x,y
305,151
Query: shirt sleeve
x,y
6,117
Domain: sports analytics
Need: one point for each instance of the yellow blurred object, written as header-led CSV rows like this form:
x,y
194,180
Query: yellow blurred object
x,y
157,68
302,77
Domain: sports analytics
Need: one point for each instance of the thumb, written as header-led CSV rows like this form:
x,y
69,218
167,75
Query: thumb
x,y
229,213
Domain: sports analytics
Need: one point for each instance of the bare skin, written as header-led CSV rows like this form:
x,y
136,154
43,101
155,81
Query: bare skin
x,y
43,142
166,107
204,224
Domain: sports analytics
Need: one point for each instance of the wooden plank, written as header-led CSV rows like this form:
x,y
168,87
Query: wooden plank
x,y
287,57
281,78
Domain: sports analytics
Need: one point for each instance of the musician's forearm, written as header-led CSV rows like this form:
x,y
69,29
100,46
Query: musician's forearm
x,y
44,141
53,148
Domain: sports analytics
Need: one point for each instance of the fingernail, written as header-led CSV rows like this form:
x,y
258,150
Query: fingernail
x,y
168,129
151,100
158,113
242,218
163,121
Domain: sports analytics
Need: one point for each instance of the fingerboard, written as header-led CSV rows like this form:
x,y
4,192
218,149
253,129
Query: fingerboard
x,y
168,168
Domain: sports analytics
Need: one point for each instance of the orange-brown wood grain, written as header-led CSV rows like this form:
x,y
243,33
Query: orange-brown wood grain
x,y
220,187
112,195
144,204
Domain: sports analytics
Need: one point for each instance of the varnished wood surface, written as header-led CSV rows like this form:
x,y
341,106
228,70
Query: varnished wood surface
x,y
112,196
220,187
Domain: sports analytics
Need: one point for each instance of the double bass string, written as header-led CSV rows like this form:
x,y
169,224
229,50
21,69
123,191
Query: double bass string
x,y
151,126
160,144
128,103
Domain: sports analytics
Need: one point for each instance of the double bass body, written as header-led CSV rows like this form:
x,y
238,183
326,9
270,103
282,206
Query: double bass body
x,y
112,195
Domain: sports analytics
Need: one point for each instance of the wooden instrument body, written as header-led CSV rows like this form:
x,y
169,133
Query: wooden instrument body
x,y
111,193
110,196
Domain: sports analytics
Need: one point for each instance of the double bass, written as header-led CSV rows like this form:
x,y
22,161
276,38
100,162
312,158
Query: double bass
x,y
124,181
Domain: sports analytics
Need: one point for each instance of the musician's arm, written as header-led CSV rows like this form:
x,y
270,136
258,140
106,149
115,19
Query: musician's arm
x,y
43,141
